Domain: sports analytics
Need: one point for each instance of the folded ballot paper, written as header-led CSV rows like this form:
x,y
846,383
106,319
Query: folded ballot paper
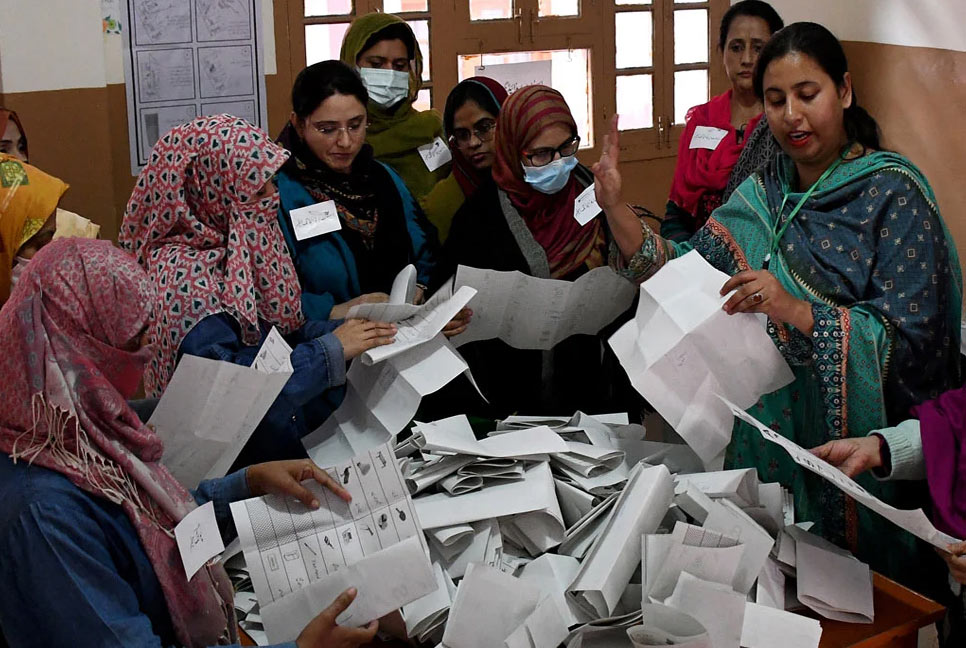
x,y
673,353
301,559
415,325
665,626
208,412
533,313
915,521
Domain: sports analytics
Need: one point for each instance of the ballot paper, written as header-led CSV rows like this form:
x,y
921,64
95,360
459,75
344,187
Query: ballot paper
x,y
484,545
300,559
765,627
673,353
580,536
700,552
533,313
534,494
665,626
615,555
837,587
771,586
552,574
740,486
455,436
914,521
404,286
208,412
415,325
424,615
589,460
727,519
489,606
432,472
382,399
545,627
717,607
477,475
574,502
274,356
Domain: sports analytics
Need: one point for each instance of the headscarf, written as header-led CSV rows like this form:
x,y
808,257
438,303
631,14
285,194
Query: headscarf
x,y
70,356
8,116
395,133
568,244
208,249
942,425
701,175
468,177
28,197
354,193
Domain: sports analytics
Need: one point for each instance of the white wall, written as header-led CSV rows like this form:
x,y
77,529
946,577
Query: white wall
x,y
917,23
51,45
60,44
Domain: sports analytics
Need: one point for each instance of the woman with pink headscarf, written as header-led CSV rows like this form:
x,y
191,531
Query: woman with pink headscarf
x,y
87,552
202,221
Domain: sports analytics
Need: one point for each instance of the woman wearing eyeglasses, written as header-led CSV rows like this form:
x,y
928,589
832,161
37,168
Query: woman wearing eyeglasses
x,y
470,121
380,228
525,222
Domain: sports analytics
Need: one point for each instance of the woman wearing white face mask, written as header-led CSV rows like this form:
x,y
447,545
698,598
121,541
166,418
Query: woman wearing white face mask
x,y
28,202
383,48
525,221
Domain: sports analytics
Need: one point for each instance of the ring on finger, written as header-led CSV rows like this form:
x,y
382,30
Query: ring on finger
x,y
757,298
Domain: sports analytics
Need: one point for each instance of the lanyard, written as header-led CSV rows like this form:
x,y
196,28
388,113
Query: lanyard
x,y
780,232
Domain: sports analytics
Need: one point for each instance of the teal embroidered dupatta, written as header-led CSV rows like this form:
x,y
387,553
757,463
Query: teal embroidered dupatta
x,y
870,251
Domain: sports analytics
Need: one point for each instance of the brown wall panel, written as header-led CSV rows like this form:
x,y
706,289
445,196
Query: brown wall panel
x,y
918,96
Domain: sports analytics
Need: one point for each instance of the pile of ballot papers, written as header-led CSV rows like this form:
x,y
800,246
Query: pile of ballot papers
x,y
548,531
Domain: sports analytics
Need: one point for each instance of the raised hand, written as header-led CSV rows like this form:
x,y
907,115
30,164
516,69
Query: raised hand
x,y
607,175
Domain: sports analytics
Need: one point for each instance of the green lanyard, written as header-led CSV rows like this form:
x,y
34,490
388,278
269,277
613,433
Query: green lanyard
x,y
779,233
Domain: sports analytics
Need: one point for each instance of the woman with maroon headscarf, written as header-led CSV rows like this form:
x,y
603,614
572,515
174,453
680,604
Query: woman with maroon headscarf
x,y
525,222
87,549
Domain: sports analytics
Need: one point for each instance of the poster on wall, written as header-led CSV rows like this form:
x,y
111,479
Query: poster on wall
x,y
188,58
514,76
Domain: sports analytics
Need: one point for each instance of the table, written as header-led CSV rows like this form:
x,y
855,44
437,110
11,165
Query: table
x,y
899,614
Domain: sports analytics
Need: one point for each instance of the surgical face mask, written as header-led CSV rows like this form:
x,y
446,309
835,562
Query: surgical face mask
x,y
550,178
386,87
18,267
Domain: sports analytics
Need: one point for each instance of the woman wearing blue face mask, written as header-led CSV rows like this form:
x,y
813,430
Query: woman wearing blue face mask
x,y
383,48
525,222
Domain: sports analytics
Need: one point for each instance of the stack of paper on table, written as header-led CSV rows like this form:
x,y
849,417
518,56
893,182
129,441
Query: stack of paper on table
x,y
673,354
533,313
301,559
207,414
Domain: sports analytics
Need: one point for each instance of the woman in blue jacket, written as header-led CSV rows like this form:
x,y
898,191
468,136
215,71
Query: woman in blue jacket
x,y
380,227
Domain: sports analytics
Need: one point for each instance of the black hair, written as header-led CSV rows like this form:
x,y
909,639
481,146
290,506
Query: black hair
x,y
464,91
820,45
396,31
753,8
319,81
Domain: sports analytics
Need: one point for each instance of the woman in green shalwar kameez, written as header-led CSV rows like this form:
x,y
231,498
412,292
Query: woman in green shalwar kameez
x,y
395,130
841,244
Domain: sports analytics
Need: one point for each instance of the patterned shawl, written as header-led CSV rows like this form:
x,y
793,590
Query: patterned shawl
x,y
71,357
395,132
28,197
568,244
210,249
354,193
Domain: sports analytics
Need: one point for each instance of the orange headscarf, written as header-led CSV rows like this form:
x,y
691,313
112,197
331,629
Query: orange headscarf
x,y
28,197
7,116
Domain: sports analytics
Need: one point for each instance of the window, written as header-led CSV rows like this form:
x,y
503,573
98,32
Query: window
x,y
649,60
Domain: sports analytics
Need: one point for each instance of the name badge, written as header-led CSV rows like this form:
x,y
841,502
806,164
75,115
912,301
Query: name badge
x,y
707,137
435,154
315,220
198,538
586,207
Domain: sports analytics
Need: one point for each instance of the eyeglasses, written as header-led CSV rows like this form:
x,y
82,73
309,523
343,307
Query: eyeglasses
x,y
330,132
483,130
544,156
